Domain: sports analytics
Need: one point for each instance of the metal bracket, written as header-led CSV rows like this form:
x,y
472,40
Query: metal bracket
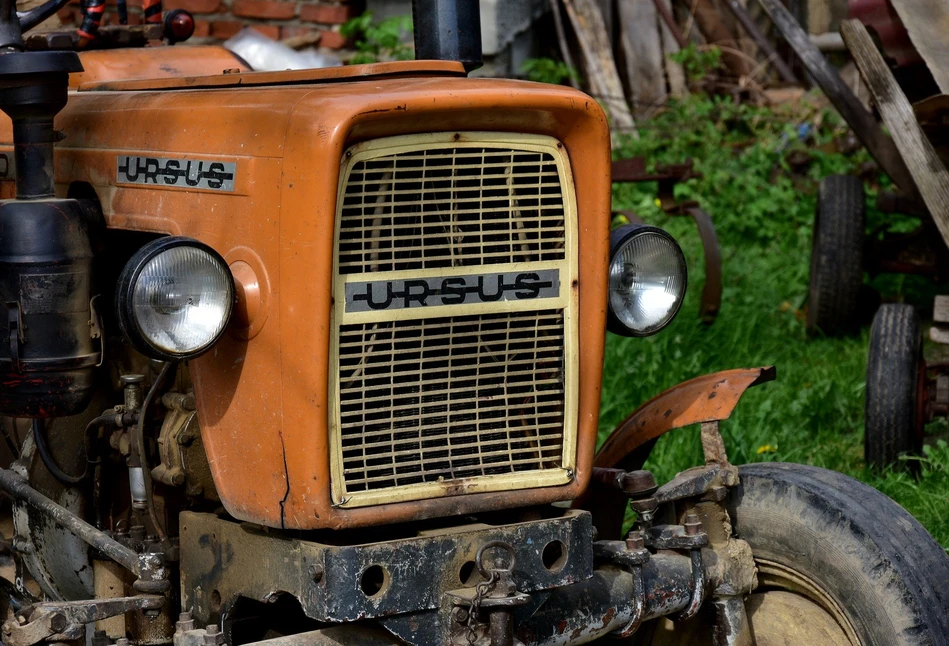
x,y
59,621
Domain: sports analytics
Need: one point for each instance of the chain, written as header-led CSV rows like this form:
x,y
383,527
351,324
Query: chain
x,y
480,591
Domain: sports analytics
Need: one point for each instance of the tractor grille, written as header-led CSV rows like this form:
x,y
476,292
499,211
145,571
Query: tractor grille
x,y
475,392
451,207
449,398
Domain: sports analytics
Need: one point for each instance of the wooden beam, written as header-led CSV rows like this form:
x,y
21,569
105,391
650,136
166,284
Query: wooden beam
x,y
639,29
671,39
598,63
866,128
562,41
927,22
748,24
931,176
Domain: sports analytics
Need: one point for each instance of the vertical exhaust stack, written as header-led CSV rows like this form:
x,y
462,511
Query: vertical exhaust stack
x,y
46,348
448,30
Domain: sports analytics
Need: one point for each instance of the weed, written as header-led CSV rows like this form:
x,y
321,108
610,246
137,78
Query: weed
x,y
764,214
548,70
698,61
378,41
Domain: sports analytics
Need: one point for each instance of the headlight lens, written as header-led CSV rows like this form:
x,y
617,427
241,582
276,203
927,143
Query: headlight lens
x,y
176,296
647,282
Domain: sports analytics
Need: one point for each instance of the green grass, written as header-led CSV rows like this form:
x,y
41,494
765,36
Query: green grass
x,y
763,212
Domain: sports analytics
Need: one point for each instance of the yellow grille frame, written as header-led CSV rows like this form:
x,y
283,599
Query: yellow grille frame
x,y
566,300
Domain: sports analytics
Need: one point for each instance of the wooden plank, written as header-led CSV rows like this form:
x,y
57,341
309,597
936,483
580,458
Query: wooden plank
x,y
639,30
927,22
866,128
932,178
748,24
600,68
675,74
941,309
562,40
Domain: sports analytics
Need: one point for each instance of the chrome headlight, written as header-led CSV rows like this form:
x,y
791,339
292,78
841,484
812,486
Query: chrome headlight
x,y
647,280
174,298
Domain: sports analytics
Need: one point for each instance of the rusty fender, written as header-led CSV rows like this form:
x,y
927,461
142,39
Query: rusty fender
x,y
708,398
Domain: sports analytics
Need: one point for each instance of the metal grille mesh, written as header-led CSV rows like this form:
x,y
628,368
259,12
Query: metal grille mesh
x,y
451,207
448,398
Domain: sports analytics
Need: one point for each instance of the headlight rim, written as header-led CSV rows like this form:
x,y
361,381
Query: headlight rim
x,y
125,290
619,237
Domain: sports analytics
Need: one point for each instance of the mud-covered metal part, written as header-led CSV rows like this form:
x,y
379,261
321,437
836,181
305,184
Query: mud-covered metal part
x,y
149,567
369,580
577,613
183,462
59,621
488,607
631,555
731,623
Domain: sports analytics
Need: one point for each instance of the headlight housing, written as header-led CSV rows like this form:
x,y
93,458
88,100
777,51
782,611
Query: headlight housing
x,y
647,280
175,298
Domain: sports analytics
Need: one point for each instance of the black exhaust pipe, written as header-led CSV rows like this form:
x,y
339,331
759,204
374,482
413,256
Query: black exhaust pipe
x,y
448,30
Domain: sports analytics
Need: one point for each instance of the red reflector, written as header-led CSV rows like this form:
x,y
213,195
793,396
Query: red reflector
x,y
179,25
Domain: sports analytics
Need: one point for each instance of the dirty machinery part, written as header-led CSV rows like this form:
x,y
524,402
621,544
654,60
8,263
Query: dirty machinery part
x,y
859,583
895,386
837,255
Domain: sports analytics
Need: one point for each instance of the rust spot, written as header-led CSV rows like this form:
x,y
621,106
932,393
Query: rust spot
x,y
608,617
712,395
667,413
561,626
575,283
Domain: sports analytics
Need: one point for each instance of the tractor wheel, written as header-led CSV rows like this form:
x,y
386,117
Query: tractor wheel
x,y
839,564
836,256
895,381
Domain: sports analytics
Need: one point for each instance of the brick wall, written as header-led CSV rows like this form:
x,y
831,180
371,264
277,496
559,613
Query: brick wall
x,y
218,20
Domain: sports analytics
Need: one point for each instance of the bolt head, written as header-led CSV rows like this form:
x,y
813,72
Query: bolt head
x,y
126,380
635,540
692,524
57,622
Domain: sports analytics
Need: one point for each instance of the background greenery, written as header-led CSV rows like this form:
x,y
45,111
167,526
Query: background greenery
x,y
761,168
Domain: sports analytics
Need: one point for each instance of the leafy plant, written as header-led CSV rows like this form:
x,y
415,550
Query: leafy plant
x,y
374,42
763,210
698,62
548,70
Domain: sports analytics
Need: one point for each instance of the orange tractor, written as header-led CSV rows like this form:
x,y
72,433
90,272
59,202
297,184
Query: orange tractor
x,y
314,357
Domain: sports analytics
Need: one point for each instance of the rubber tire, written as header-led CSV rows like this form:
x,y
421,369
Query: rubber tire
x,y
837,256
892,381
887,574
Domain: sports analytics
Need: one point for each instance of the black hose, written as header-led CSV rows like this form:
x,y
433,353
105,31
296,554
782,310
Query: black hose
x,y
142,453
42,447
14,449
39,437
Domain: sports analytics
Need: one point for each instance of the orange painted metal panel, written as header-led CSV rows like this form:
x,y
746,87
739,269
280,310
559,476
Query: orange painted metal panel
x,y
153,62
262,397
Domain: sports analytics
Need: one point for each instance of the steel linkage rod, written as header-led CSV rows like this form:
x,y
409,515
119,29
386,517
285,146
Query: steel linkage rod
x,y
17,487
